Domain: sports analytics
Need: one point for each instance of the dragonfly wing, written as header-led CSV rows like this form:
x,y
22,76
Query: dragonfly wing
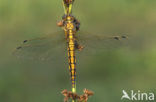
x,y
93,43
43,48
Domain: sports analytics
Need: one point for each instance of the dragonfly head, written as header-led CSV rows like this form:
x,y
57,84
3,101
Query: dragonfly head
x,y
69,18
69,22
65,20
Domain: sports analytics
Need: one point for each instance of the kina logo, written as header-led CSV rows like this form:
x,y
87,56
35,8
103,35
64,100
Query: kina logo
x,y
134,96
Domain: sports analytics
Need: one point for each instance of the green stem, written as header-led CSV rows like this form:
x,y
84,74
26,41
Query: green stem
x,y
67,10
74,91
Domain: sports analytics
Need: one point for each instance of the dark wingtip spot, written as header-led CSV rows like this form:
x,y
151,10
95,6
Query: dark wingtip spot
x,y
116,38
25,41
123,36
18,47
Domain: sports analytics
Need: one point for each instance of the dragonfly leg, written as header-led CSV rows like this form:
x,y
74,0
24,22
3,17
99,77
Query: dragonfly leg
x,y
78,46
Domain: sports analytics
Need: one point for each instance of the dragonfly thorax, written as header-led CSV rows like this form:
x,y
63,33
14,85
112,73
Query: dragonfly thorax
x,y
69,22
69,26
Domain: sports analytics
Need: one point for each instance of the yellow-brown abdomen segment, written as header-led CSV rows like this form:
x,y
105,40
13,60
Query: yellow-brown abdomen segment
x,y
72,59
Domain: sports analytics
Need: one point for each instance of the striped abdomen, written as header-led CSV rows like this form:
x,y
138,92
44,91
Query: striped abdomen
x,y
72,58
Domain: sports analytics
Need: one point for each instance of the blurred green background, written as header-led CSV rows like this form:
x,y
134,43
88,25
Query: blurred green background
x,y
130,67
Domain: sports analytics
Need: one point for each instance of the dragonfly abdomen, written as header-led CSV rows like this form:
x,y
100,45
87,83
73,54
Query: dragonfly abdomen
x,y
72,59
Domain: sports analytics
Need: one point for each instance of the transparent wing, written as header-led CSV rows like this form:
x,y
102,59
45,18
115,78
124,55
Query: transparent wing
x,y
51,46
93,43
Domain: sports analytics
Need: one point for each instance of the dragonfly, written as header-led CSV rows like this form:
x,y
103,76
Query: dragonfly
x,y
71,40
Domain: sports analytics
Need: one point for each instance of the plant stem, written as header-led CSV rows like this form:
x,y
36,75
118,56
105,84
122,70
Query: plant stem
x,y
74,91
